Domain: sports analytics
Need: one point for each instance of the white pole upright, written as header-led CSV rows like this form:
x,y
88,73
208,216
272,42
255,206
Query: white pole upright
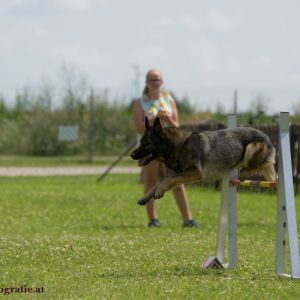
x,y
286,211
228,215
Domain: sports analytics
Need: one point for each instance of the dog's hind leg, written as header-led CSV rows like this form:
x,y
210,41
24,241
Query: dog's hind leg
x,y
245,173
268,171
259,157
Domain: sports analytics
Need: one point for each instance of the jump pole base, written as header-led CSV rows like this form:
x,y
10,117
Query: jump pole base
x,y
213,263
288,276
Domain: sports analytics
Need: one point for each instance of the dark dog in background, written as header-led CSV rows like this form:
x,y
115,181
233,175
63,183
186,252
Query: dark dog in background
x,y
203,156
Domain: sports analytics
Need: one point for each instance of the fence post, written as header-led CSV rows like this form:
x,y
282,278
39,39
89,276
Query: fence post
x,y
91,127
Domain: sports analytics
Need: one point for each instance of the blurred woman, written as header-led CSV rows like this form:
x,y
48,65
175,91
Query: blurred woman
x,y
155,103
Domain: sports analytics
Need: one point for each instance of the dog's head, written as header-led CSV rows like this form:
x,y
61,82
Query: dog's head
x,y
151,144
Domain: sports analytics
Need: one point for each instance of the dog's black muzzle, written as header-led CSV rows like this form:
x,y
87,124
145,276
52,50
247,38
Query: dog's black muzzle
x,y
135,155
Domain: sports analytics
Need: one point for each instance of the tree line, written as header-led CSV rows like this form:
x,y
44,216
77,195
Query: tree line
x,y
30,126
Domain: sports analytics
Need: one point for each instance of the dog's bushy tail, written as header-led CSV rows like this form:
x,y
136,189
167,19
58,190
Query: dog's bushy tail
x,y
258,154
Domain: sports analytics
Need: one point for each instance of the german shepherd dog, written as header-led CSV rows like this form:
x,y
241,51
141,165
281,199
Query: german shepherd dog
x,y
203,156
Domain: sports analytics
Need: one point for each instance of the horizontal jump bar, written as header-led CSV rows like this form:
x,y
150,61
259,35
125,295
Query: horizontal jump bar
x,y
254,183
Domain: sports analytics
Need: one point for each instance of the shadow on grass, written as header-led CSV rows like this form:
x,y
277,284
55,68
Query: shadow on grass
x,y
173,272
122,227
143,226
256,225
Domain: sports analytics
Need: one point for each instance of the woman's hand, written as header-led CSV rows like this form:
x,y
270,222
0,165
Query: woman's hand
x,y
165,116
168,118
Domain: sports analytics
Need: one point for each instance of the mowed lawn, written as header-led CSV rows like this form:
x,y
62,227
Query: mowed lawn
x,y
79,239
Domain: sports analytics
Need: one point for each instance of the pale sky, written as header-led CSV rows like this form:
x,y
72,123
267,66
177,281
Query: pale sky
x,y
205,49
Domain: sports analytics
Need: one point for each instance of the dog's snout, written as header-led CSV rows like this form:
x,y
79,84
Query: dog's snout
x,y
133,155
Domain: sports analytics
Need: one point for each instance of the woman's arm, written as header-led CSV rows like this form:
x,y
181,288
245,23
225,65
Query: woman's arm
x,y
171,119
138,117
175,116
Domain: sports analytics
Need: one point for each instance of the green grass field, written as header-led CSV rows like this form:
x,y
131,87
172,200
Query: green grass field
x,y
82,240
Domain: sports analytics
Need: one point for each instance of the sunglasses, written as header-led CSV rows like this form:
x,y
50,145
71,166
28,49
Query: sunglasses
x,y
154,80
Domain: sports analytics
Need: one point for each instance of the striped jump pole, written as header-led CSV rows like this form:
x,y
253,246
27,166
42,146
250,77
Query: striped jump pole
x,y
286,213
254,183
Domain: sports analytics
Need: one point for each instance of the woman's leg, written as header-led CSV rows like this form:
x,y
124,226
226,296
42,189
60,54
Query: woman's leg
x,y
180,197
182,202
151,172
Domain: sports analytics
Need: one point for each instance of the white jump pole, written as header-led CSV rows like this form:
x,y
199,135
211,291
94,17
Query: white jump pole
x,y
227,220
286,212
228,215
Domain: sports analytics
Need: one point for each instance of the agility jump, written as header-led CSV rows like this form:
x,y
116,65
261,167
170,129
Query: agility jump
x,y
286,213
253,183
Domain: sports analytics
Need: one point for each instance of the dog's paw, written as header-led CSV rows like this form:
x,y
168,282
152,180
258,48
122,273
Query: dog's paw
x,y
143,201
241,178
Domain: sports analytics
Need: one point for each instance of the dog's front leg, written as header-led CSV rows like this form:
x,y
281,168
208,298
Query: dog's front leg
x,y
156,192
170,182
148,196
173,181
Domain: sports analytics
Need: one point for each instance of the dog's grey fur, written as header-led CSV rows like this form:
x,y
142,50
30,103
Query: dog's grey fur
x,y
204,156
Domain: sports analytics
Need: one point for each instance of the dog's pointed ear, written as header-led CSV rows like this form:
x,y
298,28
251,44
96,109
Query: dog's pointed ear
x,y
157,127
147,124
